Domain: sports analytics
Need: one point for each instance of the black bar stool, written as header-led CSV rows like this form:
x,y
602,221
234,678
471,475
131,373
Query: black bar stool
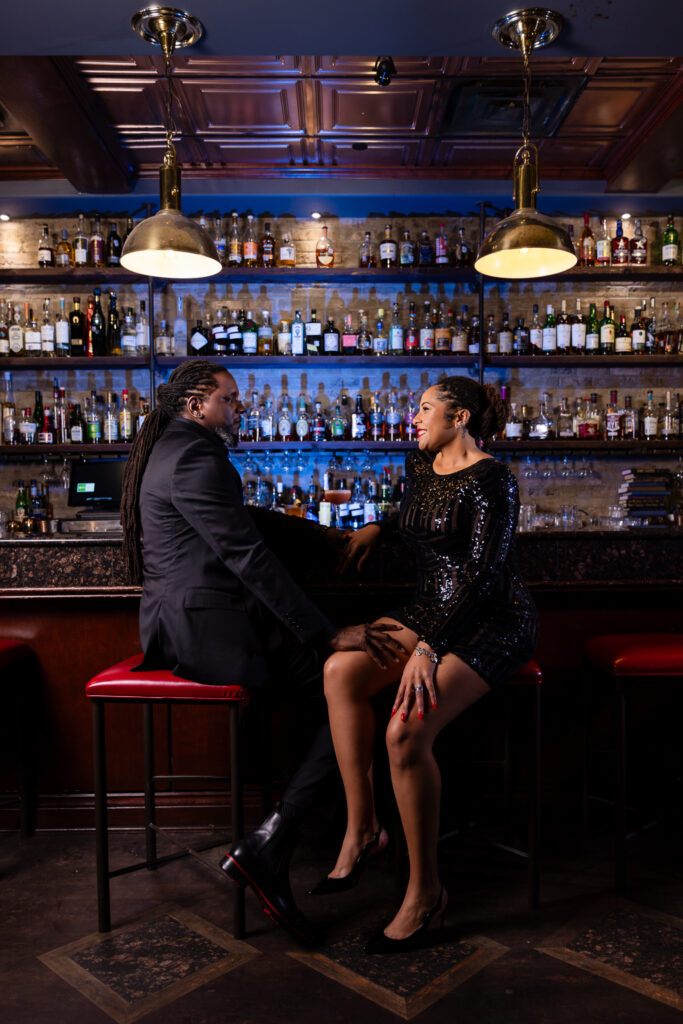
x,y
18,671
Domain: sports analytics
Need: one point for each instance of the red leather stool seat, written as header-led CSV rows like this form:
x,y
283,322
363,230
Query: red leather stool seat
x,y
529,673
120,682
637,654
11,651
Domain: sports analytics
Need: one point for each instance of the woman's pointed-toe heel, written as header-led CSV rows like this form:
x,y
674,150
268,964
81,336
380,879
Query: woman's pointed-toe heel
x,y
328,886
424,936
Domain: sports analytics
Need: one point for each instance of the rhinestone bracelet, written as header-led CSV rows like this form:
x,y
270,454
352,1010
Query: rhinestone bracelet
x,y
432,655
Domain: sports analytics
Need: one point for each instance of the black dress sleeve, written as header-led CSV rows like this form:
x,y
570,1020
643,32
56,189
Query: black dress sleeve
x,y
494,507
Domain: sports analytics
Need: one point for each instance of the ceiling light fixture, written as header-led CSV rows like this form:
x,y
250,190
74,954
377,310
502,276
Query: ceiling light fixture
x,y
527,243
385,70
169,244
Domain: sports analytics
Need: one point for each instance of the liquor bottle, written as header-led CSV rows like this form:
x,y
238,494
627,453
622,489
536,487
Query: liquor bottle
x,y
324,250
198,341
284,339
629,422
234,243
99,327
114,246
540,427
459,337
219,239
607,340
565,420
253,419
535,333
32,342
298,335
110,424
649,419
366,253
318,424
474,336
8,411
61,332
406,255
621,249
550,332
287,251
662,332
331,339
113,343
96,245
81,243
623,344
638,333
376,418
128,231
125,419
578,330
491,342
180,327
359,422
426,332
592,423
409,414
284,419
349,337
613,417
61,418
463,250
314,335
364,339
38,410
396,333
27,429
264,335
638,247
163,339
234,334
587,244
218,333
15,332
47,332
46,256
513,424
21,506
142,331
670,250
267,248
337,425
505,336
388,250
249,335
87,339
651,329
76,329
128,335
603,246
77,430
143,413
4,329
442,332
424,251
592,331
267,421
249,244
521,343
412,337
441,247
64,253
380,341
564,330
671,424
394,426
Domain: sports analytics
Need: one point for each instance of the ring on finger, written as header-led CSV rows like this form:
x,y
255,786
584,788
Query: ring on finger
x,y
419,688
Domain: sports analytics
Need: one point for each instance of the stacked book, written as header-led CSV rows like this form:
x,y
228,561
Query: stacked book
x,y
645,494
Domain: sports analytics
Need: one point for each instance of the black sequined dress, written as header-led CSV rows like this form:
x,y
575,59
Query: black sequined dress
x,y
469,599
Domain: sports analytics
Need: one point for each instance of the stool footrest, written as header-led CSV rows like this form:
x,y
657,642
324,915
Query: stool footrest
x,y
191,778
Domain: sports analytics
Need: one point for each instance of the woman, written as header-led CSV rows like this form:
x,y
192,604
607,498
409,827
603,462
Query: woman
x,y
218,606
471,624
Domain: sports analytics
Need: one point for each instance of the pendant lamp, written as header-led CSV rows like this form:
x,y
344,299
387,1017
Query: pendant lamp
x,y
527,244
169,244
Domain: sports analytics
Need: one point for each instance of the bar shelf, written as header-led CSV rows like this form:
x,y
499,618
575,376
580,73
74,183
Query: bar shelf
x,y
587,361
39,451
75,363
331,362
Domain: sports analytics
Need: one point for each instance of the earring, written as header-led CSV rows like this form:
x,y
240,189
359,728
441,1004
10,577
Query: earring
x,y
200,415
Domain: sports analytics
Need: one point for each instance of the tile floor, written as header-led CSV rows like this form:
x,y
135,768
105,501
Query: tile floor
x,y
585,956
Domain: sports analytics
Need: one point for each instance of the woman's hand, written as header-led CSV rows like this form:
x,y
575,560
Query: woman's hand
x,y
358,546
416,682
374,639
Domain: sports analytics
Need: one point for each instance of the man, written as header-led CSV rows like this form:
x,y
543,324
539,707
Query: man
x,y
217,605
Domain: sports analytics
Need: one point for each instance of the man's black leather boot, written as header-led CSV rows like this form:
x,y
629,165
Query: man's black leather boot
x,y
261,860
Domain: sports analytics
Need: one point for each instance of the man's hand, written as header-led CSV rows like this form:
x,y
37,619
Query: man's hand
x,y
358,546
374,639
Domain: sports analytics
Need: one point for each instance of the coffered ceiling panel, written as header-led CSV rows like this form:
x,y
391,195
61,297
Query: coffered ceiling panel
x,y
607,106
257,153
239,106
376,154
347,108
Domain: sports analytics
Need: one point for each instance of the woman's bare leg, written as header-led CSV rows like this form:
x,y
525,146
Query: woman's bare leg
x,y
351,679
417,785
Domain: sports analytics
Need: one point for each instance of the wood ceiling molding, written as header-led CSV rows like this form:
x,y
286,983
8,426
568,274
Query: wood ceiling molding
x,y
247,67
258,153
379,154
409,67
631,165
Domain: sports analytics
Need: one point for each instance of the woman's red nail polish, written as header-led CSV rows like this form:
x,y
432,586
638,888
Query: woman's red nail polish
x,y
393,712
403,717
434,705
421,716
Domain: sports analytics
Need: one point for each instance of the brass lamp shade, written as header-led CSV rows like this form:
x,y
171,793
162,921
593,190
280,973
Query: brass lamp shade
x,y
526,244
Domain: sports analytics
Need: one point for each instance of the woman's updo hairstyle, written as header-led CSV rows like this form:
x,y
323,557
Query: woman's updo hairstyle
x,y
484,404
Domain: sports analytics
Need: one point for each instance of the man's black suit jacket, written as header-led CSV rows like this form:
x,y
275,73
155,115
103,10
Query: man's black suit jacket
x,y
208,572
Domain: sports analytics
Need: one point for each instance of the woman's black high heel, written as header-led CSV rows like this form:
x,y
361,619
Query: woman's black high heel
x,y
381,943
327,886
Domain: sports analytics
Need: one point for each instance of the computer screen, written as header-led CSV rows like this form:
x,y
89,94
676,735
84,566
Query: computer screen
x,y
97,483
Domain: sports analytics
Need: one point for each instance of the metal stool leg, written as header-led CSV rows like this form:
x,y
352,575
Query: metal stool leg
x,y
101,833
150,803
620,799
586,751
237,816
535,801
266,755
27,772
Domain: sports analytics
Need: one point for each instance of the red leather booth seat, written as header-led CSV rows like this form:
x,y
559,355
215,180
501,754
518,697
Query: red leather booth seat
x,y
120,682
529,673
11,651
637,654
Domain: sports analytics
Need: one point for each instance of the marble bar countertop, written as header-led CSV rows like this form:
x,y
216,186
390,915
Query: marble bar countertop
x,y
66,566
